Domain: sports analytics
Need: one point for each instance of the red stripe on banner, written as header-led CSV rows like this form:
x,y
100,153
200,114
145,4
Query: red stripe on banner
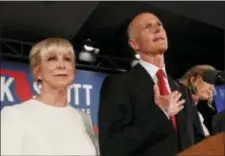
x,y
96,129
22,86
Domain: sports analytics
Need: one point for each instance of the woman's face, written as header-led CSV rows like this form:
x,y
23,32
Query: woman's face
x,y
204,90
57,69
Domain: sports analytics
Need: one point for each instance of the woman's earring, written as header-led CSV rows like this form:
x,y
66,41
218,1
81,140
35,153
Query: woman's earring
x,y
39,79
39,82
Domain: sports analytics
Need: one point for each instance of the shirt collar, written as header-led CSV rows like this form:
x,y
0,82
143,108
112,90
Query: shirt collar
x,y
152,69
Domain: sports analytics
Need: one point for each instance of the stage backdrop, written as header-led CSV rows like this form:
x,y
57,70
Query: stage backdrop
x,y
219,97
17,86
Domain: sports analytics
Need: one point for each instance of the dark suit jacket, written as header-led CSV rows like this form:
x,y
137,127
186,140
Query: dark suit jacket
x,y
131,124
196,130
218,124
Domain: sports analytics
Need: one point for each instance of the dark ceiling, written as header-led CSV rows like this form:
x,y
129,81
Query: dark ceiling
x,y
190,41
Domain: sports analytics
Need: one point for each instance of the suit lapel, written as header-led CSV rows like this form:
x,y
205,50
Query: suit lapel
x,y
180,115
181,118
142,76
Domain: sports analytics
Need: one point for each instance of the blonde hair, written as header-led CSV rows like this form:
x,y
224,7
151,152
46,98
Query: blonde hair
x,y
196,72
46,46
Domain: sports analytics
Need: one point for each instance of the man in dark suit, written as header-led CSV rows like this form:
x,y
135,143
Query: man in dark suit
x,y
141,111
218,123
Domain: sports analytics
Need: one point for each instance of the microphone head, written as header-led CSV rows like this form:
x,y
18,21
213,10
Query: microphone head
x,y
213,77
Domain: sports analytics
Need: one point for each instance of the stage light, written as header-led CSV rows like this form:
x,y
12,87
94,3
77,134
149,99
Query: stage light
x,y
88,48
96,51
88,52
87,56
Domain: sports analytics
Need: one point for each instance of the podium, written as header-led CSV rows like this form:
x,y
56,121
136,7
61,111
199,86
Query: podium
x,y
211,146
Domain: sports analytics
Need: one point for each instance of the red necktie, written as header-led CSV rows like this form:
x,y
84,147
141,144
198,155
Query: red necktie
x,y
164,90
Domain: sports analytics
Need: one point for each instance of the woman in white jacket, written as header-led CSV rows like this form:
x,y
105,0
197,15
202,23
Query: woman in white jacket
x,y
47,124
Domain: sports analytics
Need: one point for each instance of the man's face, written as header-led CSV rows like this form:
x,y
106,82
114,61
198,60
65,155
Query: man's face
x,y
148,35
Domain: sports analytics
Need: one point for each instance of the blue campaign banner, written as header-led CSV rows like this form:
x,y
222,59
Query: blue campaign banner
x,y
219,97
17,86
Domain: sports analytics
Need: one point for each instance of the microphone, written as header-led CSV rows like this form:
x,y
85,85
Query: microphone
x,y
214,77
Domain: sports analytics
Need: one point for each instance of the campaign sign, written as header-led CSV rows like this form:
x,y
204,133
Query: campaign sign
x,y
219,97
17,86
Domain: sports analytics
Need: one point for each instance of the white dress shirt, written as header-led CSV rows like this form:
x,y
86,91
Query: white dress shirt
x,y
152,70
